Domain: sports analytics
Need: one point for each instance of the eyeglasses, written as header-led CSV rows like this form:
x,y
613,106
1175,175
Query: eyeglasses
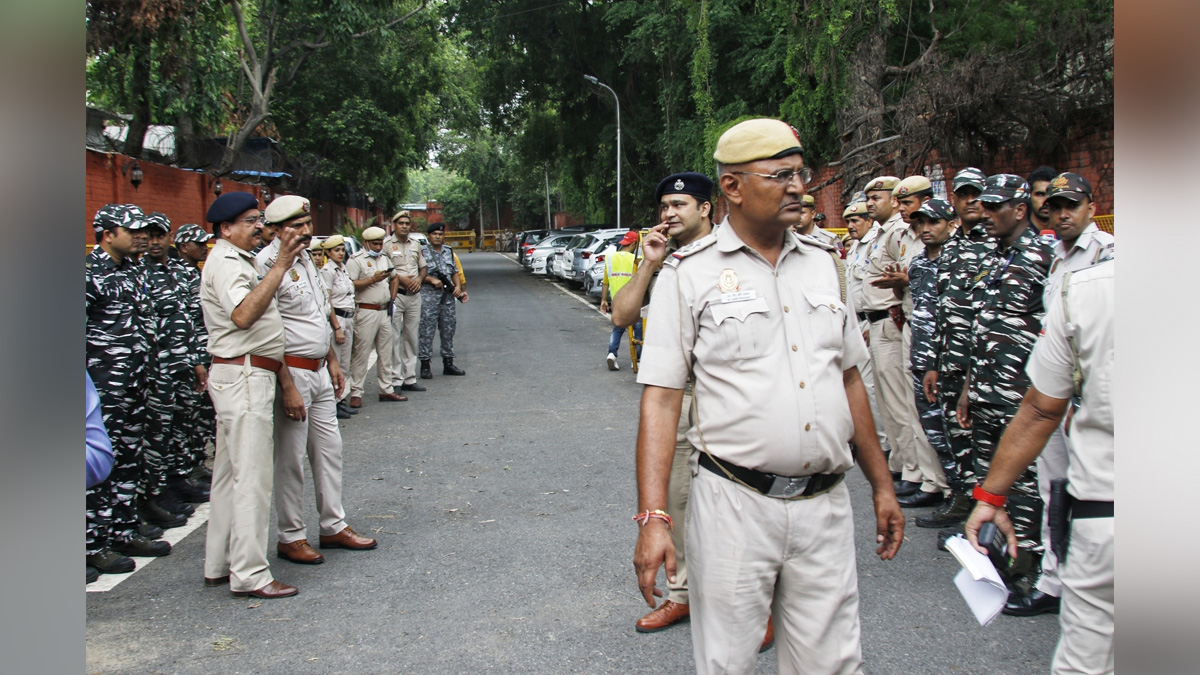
x,y
260,219
784,177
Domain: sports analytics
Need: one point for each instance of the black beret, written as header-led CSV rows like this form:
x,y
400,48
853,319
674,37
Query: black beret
x,y
690,183
229,206
435,227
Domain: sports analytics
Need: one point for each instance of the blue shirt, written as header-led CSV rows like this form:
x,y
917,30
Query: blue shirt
x,y
96,444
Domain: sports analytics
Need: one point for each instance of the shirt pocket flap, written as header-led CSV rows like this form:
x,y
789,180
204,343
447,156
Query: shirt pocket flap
x,y
738,310
823,300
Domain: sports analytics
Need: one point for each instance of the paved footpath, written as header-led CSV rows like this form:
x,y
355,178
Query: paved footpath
x,y
502,504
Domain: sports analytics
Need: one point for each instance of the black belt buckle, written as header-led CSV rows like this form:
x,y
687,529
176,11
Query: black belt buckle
x,y
786,487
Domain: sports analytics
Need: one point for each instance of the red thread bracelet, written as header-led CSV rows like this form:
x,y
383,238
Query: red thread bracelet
x,y
979,494
643,518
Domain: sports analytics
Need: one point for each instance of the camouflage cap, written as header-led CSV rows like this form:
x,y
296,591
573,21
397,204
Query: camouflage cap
x,y
112,216
912,185
888,183
158,221
936,209
191,232
1003,187
856,209
1069,186
969,176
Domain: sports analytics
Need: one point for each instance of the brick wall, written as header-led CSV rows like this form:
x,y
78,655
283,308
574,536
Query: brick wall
x,y
184,196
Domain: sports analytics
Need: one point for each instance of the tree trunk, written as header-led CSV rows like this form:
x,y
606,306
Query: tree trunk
x,y
139,94
865,109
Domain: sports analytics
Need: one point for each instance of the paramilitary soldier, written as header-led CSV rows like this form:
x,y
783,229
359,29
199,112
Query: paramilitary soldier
x,y
119,338
1008,291
246,341
440,287
311,361
755,315
191,243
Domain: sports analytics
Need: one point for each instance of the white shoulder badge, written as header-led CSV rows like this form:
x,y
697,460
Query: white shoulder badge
x,y
699,245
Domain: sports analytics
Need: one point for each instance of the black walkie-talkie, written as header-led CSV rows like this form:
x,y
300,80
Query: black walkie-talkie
x,y
996,544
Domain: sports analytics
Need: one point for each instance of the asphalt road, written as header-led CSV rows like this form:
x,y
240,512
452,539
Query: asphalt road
x,y
502,504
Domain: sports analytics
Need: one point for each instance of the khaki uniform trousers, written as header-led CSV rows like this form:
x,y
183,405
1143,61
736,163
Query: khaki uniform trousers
x,y
1051,464
1088,612
320,440
239,519
753,556
912,455
406,321
372,330
344,351
677,501
867,372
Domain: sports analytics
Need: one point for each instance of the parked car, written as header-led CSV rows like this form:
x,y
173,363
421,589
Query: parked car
x,y
526,241
579,243
585,257
539,254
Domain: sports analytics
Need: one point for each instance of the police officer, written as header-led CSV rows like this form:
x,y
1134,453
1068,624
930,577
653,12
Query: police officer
x,y
246,341
862,232
808,223
119,336
440,287
369,270
736,310
1008,289
408,271
191,242
311,361
959,264
341,294
1072,360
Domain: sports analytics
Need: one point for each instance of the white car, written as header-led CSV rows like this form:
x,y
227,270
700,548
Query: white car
x,y
538,257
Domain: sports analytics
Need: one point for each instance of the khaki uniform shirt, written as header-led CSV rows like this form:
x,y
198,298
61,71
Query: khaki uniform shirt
x,y
228,277
824,236
768,346
1090,468
857,260
875,299
1093,246
405,256
900,246
303,303
361,266
341,289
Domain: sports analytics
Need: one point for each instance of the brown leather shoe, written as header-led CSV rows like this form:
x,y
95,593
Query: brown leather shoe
x,y
769,638
299,551
668,614
355,401
391,396
275,589
347,538
219,581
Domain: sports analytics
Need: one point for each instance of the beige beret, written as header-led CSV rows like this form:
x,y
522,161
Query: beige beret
x,y
286,208
888,183
399,213
910,185
760,138
314,244
807,200
856,209
373,233
333,242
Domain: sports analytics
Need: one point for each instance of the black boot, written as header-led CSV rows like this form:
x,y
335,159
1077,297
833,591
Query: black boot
x,y
157,515
952,512
448,368
426,371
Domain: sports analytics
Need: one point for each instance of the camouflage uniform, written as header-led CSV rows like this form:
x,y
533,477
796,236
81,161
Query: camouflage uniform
x,y
1008,292
119,344
199,420
437,304
922,283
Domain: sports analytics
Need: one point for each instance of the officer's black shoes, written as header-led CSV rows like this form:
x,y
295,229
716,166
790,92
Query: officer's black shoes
x,y
168,501
896,476
343,415
905,487
92,574
1031,604
949,532
108,561
186,491
411,387
448,368
919,498
952,512
426,371
142,547
344,408
149,531
157,515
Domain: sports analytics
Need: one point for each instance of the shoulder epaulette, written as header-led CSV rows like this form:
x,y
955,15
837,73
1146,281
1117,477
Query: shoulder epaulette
x,y
813,241
699,245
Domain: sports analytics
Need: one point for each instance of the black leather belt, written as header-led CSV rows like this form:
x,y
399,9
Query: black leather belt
x,y
1081,509
771,485
872,317
344,313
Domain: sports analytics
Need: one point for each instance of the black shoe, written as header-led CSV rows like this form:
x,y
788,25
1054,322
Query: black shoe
x,y
170,502
111,562
149,531
345,409
187,492
341,415
950,533
92,574
905,487
448,368
411,387
1031,604
952,512
920,498
426,371
142,547
896,475
157,515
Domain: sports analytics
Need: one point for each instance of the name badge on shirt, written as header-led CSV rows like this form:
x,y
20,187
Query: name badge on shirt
x,y
739,296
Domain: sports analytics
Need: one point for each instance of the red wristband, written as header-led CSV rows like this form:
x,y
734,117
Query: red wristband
x,y
986,497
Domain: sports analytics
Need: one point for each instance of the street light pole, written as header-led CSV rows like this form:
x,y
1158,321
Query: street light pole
x,y
597,82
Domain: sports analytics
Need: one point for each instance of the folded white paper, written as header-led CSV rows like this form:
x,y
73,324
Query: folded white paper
x,y
978,581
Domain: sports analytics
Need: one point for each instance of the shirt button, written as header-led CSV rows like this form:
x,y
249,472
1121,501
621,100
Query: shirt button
x,y
807,427
785,308
794,348
801,385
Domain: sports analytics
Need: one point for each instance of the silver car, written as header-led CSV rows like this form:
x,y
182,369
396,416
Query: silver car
x,y
539,257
